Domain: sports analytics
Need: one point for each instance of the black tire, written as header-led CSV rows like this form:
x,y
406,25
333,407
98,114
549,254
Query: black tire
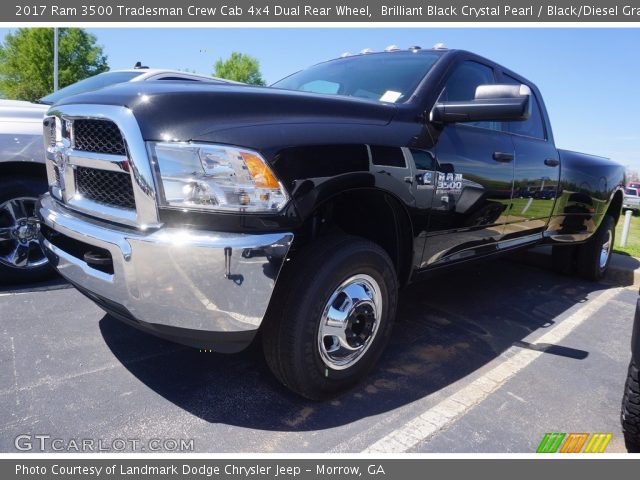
x,y
19,187
630,414
588,260
563,259
291,331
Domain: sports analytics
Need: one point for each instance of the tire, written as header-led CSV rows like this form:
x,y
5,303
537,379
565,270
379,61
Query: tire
x,y
563,259
630,414
591,264
21,257
297,346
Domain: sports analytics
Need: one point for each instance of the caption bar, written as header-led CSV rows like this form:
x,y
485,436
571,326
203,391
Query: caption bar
x,y
353,11
307,469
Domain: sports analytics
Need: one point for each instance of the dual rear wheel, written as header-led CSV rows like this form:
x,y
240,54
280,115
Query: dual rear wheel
x,y
589,260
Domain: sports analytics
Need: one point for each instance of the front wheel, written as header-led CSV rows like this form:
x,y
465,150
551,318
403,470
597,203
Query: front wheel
x,y
21,256
333,313
630,414
594,256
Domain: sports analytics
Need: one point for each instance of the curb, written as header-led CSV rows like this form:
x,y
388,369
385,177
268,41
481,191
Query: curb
x,y
623,270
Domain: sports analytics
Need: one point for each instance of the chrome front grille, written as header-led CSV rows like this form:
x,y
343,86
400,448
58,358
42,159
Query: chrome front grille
x,y
97,164
56,174
103,186
100,136
50,132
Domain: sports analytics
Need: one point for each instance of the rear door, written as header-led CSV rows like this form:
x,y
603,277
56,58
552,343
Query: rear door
x,y
537,172
473,178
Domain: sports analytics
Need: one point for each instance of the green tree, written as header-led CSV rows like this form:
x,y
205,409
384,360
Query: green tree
x,y
26,61
239,67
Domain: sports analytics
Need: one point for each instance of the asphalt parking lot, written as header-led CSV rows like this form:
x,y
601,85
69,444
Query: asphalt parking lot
x,y
483,359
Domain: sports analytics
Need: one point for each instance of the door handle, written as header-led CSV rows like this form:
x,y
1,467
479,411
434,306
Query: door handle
x,y
551,162
502,156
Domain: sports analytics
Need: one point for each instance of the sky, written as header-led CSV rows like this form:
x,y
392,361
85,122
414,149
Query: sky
x,y
589,77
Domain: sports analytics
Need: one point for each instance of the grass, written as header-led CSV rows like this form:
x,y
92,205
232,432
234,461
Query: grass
x,y
633,241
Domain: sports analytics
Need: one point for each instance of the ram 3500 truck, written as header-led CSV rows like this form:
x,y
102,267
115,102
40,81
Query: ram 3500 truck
x,y
205,214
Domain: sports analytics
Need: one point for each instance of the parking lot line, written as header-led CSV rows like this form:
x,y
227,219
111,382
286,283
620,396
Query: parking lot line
x,y
15,370
443,414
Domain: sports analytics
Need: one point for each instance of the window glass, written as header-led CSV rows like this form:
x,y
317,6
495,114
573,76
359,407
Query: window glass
x,y
387,156
461,86
423,160
382,77
179,79
321,86
534,125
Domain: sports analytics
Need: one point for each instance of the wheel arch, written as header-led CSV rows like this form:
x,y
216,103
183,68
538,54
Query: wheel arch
x,y
29,169
615,205
361,212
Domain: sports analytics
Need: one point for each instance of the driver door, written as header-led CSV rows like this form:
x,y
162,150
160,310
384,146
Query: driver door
x,y
473,178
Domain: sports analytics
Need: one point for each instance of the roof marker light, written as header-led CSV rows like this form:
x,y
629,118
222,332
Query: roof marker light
x,y
366,51
345,54
525,90
439,46
392,48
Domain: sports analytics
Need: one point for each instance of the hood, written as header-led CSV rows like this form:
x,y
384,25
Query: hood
x,y
19,111
186,111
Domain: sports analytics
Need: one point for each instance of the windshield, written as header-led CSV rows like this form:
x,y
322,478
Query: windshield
x,y
88,84
386,77
631,191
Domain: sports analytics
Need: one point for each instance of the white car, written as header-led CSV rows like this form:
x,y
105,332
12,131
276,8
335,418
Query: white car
x,y
23,175
631,199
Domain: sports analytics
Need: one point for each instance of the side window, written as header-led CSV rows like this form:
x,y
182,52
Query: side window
x,y
387,156
534,125
462,84
181,79
423,160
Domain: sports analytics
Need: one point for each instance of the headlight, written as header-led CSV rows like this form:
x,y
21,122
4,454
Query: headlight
x,y
215,177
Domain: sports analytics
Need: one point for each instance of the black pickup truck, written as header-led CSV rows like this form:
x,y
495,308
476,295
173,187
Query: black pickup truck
x,y
205,214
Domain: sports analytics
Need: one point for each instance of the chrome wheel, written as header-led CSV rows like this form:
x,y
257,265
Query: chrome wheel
x,y
19,231
605,250
349,322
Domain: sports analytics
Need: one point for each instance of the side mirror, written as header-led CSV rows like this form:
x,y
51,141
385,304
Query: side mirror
x,y
495,103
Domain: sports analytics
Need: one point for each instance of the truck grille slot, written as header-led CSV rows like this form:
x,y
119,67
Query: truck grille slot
x,y
103,186
100,136
50,131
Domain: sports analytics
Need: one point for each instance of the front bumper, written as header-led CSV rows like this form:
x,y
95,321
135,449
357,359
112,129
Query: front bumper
x,y
200,288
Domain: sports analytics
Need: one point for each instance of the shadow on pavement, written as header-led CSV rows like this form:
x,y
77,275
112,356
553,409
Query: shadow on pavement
x,y
622,269
447,328
55,283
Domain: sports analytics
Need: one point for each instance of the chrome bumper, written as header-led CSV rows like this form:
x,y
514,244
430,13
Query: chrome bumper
x,y
171,280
